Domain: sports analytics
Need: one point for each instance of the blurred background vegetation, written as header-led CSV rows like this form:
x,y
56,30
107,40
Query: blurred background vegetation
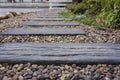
x,y
100,13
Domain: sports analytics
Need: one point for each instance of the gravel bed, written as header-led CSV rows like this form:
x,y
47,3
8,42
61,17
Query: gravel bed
x,y
90,37
92,34
30,71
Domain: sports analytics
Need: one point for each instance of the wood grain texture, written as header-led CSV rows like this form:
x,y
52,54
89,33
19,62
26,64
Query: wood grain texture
x,y
54,23
60,52
48,19
43,31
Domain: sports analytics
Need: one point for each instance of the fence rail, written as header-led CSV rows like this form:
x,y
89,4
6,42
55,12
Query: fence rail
x,y
22,1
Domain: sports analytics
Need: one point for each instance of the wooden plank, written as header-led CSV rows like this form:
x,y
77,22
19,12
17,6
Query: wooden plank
x,y
48,19
43,31
25,5
57,8
60,52
57,4
60,0
52,14
54,23
49,16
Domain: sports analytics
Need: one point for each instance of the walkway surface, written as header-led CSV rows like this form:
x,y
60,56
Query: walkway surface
x,y
44,31
48,19
55,23
60,52
24,5
55,52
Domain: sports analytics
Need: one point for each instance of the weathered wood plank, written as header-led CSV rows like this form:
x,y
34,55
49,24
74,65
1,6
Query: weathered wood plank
x,y
52,14
49,16
24,5
48,19
44,31
60,1
58,4
60,52
54,23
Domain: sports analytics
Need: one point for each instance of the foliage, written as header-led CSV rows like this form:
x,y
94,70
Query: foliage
x,y
110,13
97,12
77,8
66,14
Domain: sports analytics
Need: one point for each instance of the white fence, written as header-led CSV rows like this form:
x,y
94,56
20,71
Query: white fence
x,y
26,1
58,4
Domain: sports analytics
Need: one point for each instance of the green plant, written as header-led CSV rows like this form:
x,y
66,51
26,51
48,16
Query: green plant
x,y
66,14
110,13
97,25
77,8
88,21
96,12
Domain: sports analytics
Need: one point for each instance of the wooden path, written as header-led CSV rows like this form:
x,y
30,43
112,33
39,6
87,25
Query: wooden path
x,y
44,31
48,19
60,52
24,5
80,53
53,23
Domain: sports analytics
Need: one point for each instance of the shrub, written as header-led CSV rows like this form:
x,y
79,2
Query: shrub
x,y
77,8
66,14
110,13
103,12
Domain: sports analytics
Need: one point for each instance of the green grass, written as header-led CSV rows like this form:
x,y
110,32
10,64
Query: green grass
x,y
95,12
67,14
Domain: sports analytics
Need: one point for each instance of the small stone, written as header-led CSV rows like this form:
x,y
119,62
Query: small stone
x,y
117,78
39,72
85,78
1,77
26,68
28,77
9,15
71,74
2,68
0,65
34,78
5,78
38,77
45,70
10,67
34,66
19,68
28,65
46,76
75,71
16,65
89,66
75,78
104,65
66,67
20,78
74,66
21,65
62,68
106,78
62,78
35,74
15,77
29,72
52,75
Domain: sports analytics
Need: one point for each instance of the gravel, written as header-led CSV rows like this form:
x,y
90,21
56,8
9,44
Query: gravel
x,y
93,34
30,71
